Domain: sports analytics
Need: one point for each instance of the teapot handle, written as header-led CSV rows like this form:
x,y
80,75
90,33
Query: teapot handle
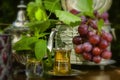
x,y
51,38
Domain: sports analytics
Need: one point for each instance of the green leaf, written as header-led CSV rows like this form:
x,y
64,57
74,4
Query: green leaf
x,y
52,5
68,18
31,9
40,15
100,25
25,43
39,26
86,6
40,49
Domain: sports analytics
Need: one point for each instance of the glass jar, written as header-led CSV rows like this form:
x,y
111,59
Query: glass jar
x,y
33,67
62,61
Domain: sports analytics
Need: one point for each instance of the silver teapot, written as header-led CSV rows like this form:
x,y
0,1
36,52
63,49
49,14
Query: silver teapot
x,y
18,27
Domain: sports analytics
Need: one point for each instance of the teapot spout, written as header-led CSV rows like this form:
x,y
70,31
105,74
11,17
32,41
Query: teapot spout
x,y
51,39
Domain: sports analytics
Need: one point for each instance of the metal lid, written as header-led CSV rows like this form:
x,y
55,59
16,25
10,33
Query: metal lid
x,y
21,19
21,5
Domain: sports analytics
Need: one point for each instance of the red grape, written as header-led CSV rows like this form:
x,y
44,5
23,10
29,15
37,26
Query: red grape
x,y
87,56
78,49
93,24
94,39
91,33
107,36
77,40
83,29
97,59
106,54
105,16
96,51
87,47
103,44
83,19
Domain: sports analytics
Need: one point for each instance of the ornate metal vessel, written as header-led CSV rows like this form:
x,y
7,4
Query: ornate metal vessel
x,y
17,29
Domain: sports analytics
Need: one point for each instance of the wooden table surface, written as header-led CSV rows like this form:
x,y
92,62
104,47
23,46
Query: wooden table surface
x,y
111,73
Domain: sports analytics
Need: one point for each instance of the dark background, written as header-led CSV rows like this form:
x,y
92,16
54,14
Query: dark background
x,y
114,17
8,13
8,10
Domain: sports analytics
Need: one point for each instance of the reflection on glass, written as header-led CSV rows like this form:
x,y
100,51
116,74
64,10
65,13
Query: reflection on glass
x,y
33,68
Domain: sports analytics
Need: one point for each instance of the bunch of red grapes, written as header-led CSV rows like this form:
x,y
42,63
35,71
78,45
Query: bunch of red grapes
x,y
91,43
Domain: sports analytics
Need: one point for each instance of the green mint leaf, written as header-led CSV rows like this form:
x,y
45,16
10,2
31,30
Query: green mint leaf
x,y
44,26
100,25
39,26
68,18
40,15
31,9
52,5
25,43
40,49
